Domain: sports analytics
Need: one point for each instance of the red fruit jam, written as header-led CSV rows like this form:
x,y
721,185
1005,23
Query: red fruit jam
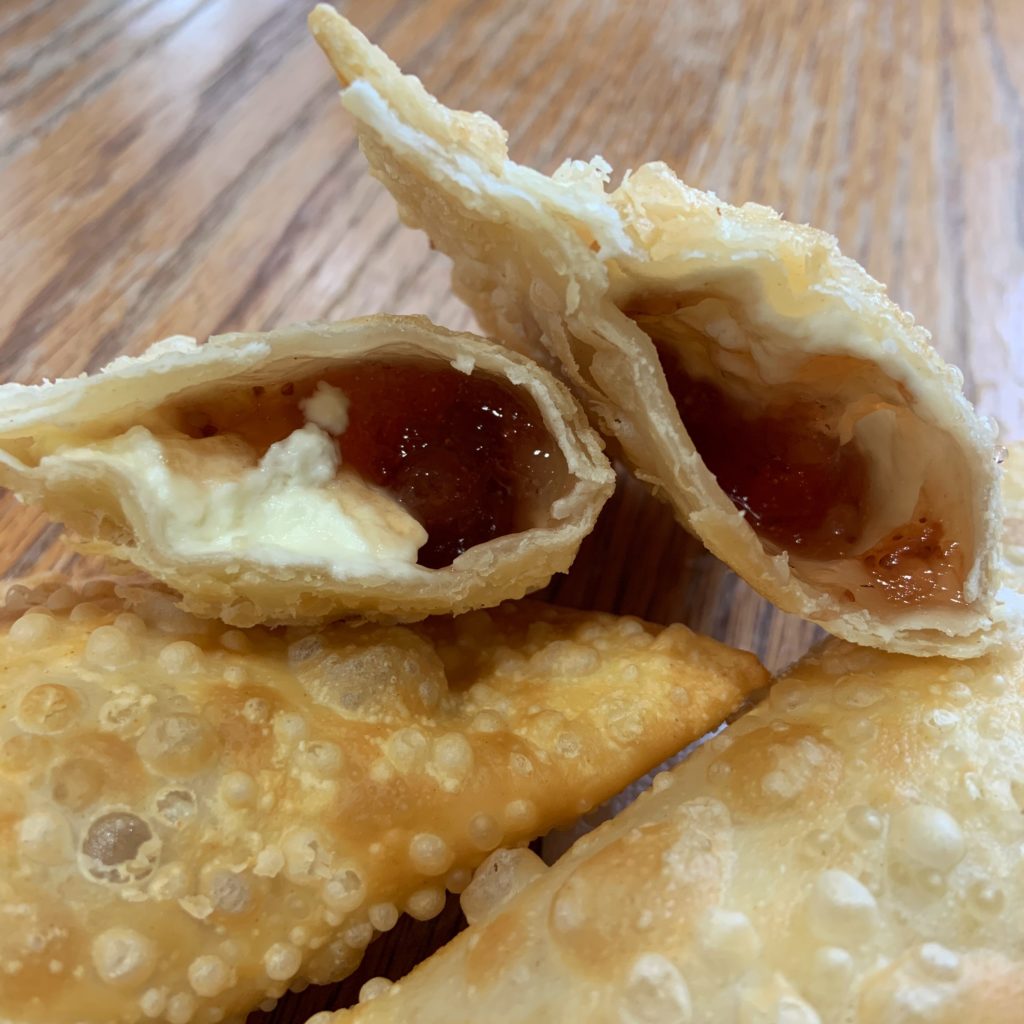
x,y
798,485
916,565
805,492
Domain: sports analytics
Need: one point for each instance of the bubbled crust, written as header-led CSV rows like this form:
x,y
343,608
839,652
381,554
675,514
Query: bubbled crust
x,y
194,818
845,853
547,264
106,514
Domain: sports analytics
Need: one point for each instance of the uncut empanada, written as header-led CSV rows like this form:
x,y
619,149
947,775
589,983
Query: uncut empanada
x,y
382,466
194,818
795,418
849,852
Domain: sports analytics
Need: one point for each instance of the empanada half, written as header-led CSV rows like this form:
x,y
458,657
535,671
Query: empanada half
x,y
846,853
796,419
383,467
195,818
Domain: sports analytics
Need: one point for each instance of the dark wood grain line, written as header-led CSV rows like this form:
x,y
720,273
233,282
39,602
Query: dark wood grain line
x,y
875,148
380,243
815,151
573,106
20,18
62,42
92,88
28,558
853,49
91,246
111,148
405,283
1012,112
423,57
765,154
902,198
636,535
78,50
327,193
524,71
750,29
701,113
325,201
299,282
205,231
952,184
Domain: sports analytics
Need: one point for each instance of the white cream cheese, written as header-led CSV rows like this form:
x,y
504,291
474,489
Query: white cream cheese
x,y
327,407
295,507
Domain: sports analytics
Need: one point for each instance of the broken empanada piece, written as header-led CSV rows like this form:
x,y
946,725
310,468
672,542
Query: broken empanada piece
x,y
384,467
195,818
796,419
846,853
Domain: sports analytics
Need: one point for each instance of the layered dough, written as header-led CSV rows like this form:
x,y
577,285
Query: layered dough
x,y
798,422
383,467
194,818
846,853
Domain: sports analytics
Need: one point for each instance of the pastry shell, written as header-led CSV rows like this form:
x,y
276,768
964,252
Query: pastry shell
x,y
195,818
588,278
107,513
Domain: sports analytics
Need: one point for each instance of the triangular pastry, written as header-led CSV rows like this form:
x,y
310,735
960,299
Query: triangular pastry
x,y
194,818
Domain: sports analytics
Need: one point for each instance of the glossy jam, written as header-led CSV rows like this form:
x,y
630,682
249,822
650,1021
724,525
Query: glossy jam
x,y
466,455
799,487
806,493
916,564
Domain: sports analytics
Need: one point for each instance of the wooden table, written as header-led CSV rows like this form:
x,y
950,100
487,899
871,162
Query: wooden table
x,y
183,166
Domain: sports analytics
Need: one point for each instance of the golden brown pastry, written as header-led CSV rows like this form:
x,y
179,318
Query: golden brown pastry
x,y
194,818
798,422
846,853
383,466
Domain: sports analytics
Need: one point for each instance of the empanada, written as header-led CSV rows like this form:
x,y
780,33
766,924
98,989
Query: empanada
x,y
846,853
383,466
797,420
194,818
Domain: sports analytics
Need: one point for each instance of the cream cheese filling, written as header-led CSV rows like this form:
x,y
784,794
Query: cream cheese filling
x,y
297,506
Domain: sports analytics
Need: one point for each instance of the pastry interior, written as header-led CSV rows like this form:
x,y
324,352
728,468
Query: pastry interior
x,y
824,455
400,459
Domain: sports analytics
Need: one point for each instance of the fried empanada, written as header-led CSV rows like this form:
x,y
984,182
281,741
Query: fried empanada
x,y
846,853
194,818
796,419
384,467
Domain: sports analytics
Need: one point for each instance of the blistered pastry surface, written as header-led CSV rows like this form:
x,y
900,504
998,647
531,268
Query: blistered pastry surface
x,y
196,817
548,264
108,512
844,854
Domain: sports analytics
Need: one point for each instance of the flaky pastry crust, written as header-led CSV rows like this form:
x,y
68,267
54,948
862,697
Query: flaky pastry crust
x,y
195,818
107,513
593,278
845,853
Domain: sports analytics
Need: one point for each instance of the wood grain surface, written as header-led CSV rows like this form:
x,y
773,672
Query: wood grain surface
x,y
183,166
